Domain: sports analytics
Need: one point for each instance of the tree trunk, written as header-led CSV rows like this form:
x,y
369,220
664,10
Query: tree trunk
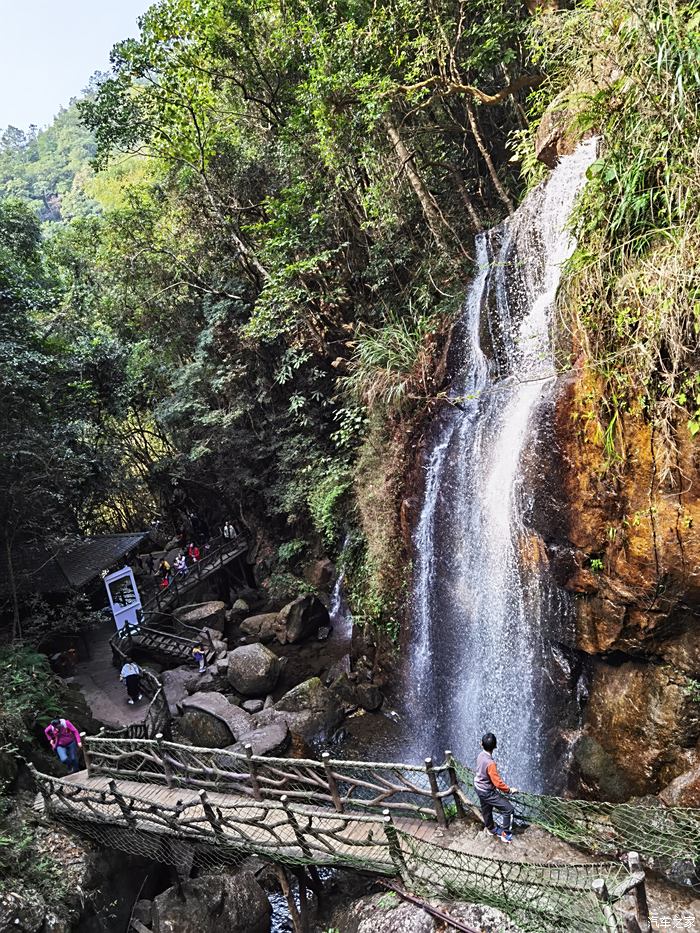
x,y
408,164
474,124
466,200
16,624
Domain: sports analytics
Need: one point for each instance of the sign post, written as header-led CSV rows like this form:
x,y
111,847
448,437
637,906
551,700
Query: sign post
x,y
124,599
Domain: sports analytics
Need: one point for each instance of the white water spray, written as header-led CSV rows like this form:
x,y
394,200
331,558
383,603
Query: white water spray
x,y
485,609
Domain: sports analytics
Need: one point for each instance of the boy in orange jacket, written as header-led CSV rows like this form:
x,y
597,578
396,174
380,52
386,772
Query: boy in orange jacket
x,y
490,788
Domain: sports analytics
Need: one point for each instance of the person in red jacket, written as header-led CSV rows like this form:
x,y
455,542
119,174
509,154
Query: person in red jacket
x,y
64,739
490,788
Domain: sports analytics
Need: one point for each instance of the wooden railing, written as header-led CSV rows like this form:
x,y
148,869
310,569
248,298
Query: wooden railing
x,y
274,828
177,827
429,791
163,599
156,641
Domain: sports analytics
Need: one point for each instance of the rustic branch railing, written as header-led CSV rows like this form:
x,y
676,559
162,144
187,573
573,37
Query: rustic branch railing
x,y
548,897
145,638
344,786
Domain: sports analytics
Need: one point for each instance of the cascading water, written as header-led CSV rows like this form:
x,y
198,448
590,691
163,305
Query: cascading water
x,y
486,612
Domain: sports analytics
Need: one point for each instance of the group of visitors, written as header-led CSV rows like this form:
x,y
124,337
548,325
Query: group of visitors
x,y
180,566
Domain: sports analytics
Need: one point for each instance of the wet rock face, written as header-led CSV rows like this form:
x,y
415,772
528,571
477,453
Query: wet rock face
x,y
624,539
213,904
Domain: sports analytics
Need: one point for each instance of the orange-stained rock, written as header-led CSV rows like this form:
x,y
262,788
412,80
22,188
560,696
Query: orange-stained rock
x,y
643,716
633,533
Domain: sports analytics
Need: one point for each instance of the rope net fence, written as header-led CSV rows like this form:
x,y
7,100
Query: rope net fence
x,y
656,832
539,897
205,830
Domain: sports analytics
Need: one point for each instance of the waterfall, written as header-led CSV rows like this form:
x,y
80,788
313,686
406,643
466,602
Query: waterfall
x,y
339,611
486,612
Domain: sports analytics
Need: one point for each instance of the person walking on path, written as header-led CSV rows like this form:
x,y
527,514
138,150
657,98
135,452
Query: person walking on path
x,y
490,788
200,657
64,739
131,675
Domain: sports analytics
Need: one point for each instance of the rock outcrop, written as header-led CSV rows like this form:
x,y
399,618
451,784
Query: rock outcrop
x,y
301,619
624,538
253,670
310,710
297,621
211,721
213,904
211,615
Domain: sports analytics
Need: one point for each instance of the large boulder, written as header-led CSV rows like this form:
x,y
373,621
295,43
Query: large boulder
x,y
367,696
320,573
310,710
272,739
211,721
211,614
301,619
683,791
253,670
177,686
262,627
213,904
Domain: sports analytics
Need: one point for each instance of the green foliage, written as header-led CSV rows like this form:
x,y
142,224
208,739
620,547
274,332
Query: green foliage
x,y
290,550
21,861
31,695
392,363
692,689
50,168
596,564
634,277
325,499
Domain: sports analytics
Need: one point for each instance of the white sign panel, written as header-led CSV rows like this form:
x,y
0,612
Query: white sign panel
x,y
124,599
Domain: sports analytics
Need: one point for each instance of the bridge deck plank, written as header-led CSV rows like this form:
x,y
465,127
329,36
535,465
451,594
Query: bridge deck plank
x,y
356,840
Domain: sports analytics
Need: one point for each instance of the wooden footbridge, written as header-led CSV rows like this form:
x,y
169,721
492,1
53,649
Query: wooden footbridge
x,y
195,807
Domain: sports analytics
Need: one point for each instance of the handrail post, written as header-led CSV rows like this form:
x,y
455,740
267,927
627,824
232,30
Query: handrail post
x,y
298,835
332,783
600,889
167,768
395,853
437,802
121,803
86,754
211,816
454,782
252,770
639,893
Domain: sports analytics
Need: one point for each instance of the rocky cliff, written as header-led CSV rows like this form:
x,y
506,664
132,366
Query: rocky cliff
x,y
622,532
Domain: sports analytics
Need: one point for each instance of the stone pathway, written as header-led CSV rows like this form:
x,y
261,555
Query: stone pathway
x,y
99,683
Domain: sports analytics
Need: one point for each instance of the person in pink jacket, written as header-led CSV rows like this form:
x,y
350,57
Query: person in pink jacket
x,y
64,739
